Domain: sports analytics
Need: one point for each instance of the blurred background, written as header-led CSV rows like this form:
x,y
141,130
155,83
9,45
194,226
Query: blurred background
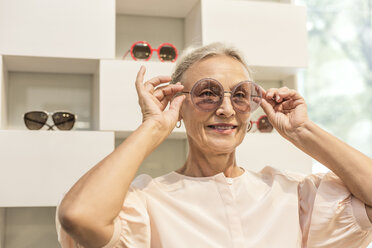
x,y
337,84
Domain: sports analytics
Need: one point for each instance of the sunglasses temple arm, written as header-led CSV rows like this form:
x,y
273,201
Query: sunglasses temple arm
x,y
50,127
126,54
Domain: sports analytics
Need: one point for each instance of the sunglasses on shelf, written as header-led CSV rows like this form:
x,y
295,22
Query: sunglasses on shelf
x,y
35,120
207,95
141,50
263,124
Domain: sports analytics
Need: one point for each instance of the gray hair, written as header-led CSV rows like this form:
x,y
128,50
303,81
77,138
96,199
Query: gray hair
x,y
194,54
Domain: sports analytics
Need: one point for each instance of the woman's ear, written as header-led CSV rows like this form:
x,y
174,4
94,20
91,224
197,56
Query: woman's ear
x,y
180,116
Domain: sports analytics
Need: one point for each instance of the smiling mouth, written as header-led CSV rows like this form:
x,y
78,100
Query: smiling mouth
x,y
222,127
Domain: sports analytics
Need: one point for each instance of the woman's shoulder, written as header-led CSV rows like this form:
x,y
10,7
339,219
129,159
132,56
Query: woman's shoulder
x,y
145,182
272,172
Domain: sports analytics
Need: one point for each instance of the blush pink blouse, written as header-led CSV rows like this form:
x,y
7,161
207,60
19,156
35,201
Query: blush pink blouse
x,y
271,208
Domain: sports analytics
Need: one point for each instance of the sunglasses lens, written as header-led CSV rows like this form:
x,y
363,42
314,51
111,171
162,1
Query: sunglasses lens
x,y
207,95
141,51
167,53
64,120
241,97
35,120
246,97
264,125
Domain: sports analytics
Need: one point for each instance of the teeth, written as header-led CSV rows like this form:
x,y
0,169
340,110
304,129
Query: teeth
x,y
223,127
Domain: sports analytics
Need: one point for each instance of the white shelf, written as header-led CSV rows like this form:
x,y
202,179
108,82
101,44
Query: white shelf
x,y
168,8
261,149
50,64
163,8
37,167
69,29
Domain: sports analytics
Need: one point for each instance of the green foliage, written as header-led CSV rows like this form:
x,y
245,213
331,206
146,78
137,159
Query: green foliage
x,y
338,81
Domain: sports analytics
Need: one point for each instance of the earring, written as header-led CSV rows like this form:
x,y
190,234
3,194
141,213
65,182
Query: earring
x,y
179,123
249,126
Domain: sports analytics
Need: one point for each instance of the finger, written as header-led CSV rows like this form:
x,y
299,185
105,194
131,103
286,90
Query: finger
x,y
292,103
285,93
139,80
170,89
167,91
163,103
271,93
139,84
262,90
268,96
268,109
279,95
176,104
140,76
153,82
287,105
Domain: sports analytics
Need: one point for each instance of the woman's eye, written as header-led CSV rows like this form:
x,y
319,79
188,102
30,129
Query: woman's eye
x,y
239,95
207,93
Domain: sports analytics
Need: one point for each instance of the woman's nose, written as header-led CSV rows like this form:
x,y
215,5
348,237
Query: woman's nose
x,y
226,108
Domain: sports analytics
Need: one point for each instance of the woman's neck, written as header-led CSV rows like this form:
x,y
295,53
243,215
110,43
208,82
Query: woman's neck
x,y
200,163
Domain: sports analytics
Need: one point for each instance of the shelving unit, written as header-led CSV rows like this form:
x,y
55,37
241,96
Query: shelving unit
x,y
68,55
51,84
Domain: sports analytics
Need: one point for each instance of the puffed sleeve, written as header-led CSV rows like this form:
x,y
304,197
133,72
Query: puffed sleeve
x,y
330,216
131,226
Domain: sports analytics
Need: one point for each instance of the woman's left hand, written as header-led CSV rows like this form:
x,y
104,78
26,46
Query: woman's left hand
x,y
286,110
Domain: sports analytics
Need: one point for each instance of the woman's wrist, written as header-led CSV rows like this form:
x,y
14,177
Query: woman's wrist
x,y
155,129
301,133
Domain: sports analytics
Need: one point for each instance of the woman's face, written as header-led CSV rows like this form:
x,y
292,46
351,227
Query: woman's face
x,y
222,130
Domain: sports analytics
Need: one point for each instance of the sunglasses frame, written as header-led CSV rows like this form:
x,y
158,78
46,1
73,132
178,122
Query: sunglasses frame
x,y
224,92
50,114
257,122
151,50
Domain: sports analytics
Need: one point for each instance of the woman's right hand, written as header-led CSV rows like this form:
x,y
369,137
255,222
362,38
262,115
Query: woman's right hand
x,y
153,100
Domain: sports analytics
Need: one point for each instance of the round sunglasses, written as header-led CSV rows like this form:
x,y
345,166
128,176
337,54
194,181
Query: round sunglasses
x,y
142,50
35,120
263,124
207,95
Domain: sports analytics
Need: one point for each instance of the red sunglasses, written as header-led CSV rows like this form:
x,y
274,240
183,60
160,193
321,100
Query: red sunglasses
x,y
142,50
263,124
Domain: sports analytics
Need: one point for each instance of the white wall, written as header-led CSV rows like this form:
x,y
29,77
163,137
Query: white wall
x,y
269,34
69,28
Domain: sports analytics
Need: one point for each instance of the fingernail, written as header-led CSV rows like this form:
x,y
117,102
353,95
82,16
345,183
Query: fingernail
x,y
277,98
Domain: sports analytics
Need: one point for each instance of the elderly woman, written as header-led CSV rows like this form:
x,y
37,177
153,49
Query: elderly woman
x,y
211,201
